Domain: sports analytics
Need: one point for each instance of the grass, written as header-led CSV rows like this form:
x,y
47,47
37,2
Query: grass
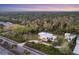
x,y
46,49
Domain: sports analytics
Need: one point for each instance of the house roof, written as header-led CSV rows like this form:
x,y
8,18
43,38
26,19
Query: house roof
x,y
45,34
6,23
2,23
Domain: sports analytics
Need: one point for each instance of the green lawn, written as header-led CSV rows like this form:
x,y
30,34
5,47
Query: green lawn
x,y
46,49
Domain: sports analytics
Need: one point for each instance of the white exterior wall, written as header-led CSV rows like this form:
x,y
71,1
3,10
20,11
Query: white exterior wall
x,y
76,49
69,37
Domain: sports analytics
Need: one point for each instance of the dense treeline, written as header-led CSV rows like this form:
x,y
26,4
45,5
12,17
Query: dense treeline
x,y
55,23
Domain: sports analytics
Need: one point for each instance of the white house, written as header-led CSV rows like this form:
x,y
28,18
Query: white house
x,y
6,23
76,49
2,23
46,36
69,36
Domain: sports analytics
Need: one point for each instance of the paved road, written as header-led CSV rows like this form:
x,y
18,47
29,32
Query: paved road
x,y
31,50
3,51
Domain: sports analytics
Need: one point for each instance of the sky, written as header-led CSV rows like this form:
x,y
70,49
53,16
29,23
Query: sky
x,y
39,7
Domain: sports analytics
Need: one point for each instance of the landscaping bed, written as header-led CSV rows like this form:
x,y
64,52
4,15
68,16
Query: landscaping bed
x,y
46,49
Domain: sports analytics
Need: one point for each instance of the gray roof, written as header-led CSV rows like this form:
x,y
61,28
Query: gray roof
x,y
6,23
45,34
